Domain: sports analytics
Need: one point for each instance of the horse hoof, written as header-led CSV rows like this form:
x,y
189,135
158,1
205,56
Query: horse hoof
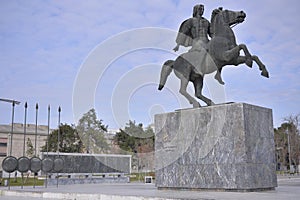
x,y
196,105
212,103
219,79
221,82
265,74
160,87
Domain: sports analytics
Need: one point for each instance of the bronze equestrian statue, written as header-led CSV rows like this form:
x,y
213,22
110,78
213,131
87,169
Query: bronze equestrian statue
x,y
206,56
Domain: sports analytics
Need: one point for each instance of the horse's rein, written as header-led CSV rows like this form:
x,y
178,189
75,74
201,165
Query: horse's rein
x,y
235,24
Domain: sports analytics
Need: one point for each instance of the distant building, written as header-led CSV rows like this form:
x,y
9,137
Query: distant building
x,y
18,139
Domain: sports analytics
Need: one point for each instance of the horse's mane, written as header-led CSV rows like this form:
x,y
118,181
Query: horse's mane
x,y
214,13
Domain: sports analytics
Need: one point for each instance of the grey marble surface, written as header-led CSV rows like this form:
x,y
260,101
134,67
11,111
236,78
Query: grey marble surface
x,y
228,146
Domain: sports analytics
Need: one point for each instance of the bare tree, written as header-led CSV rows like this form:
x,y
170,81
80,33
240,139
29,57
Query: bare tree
x,y
293,138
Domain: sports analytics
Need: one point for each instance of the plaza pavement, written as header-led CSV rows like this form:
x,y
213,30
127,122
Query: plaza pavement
x,y
288,189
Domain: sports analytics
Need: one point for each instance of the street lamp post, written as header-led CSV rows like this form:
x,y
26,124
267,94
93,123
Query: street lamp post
x,y
278,149
13,102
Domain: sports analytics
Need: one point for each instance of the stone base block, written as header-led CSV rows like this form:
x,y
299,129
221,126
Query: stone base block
x,y
222,147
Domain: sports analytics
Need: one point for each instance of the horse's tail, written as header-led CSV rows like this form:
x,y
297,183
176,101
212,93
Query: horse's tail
x,y
165,72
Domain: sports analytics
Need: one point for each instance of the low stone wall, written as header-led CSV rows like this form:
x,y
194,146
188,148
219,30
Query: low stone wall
x,y
68,181
79,163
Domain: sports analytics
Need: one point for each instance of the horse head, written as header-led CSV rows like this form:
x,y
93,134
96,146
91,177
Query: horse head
x,y
221,19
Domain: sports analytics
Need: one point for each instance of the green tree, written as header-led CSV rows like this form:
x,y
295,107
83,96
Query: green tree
x,y
138,142
134,138
91,131
69,140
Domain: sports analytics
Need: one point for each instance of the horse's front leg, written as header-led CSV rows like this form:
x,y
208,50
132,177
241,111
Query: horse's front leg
x,y
240,60
231,54
249,60
262,67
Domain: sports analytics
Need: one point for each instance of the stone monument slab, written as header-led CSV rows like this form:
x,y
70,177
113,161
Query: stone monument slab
x,y
222,147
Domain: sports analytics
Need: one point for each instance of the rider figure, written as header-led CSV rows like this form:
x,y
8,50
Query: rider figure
x,y
194,32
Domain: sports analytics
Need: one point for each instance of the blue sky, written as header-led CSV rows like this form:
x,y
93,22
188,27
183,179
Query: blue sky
x,y
49,49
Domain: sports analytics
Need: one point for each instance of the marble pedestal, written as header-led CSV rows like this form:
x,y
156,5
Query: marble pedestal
x,y
221,147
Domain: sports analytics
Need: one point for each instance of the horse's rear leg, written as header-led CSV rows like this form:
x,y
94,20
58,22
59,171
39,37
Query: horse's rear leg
x,y
218,76
198,84
183,85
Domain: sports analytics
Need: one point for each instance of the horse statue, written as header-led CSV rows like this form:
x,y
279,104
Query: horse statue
x,y
222,50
